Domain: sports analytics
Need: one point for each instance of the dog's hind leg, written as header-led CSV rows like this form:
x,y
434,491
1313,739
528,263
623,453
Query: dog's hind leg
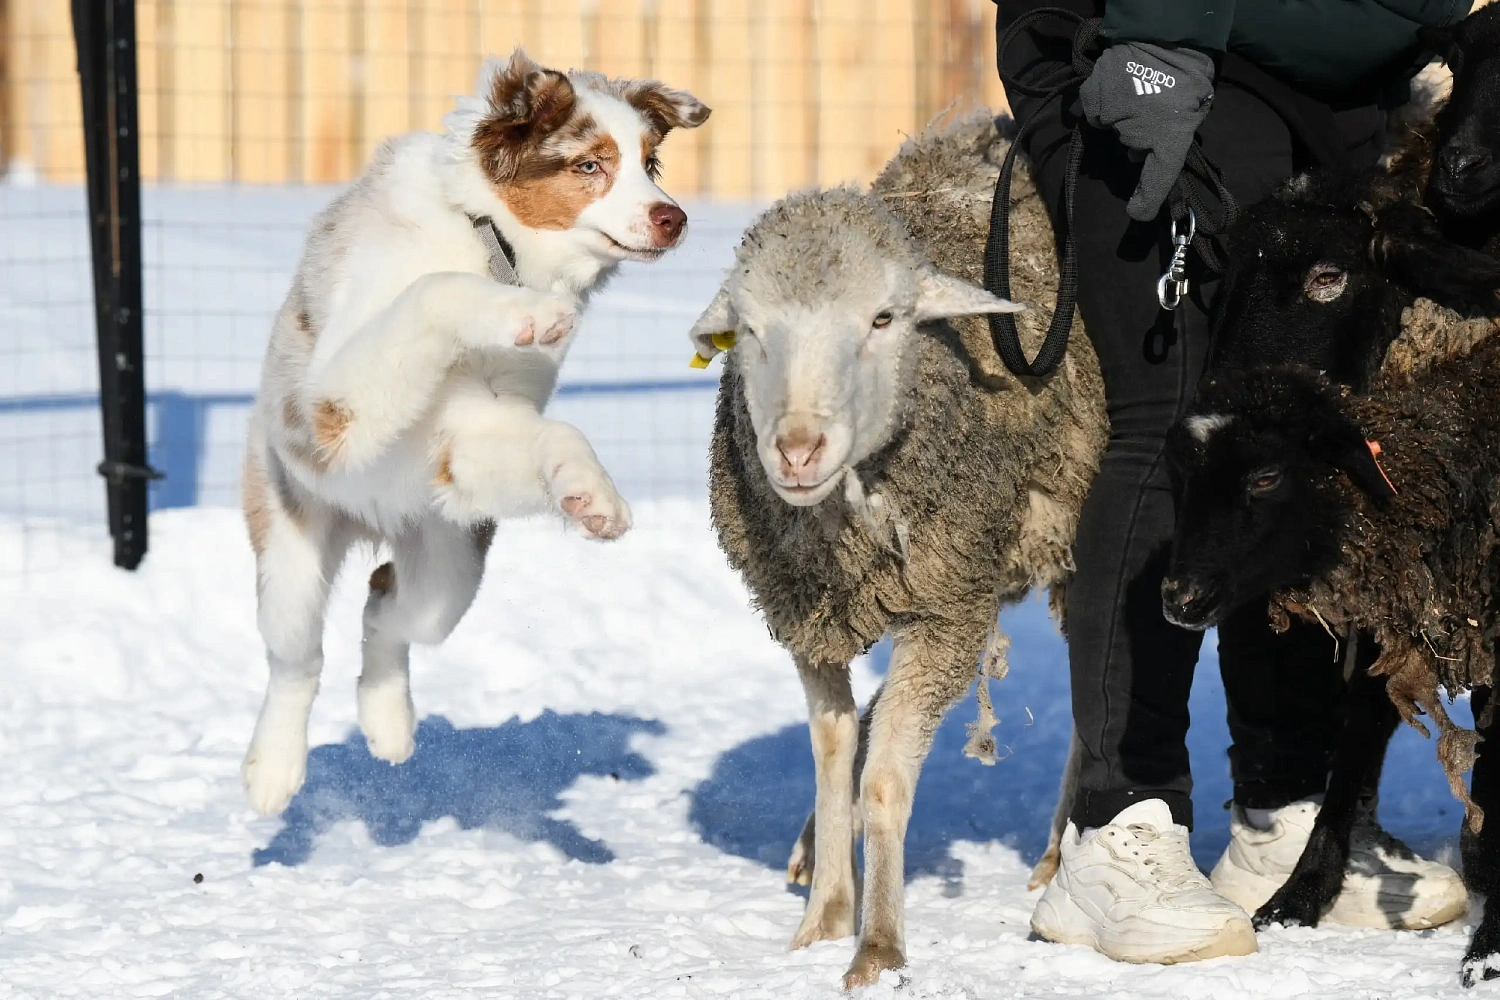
x,y
500,458
299,546
417,597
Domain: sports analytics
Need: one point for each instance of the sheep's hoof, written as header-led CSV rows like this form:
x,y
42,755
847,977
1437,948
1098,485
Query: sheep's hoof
x,y
1482,960
799,867
826,922
869,962
1289,909
1046,868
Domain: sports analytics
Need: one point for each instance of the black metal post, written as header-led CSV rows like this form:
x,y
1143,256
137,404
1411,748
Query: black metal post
x,y
104,31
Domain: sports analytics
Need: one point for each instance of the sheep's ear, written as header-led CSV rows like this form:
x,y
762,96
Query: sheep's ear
x,y
1358,458
1443,42
715,326
940,297
1409,248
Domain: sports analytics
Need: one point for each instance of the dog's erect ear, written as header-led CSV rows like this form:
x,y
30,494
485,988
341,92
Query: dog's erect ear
x,y
1410,249
715,327
524,103
940,296
666,108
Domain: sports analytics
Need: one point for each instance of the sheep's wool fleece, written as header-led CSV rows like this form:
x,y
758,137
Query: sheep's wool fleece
x,y
986,471
1423,575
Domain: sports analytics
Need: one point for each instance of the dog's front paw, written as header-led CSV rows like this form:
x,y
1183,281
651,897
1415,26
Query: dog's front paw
x,y
585,493
273,772
519,317
548,323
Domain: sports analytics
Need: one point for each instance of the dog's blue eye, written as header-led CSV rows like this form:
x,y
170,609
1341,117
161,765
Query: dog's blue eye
x,y
588,166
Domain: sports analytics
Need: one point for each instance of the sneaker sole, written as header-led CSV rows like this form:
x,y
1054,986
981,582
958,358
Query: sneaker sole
x,y
1250,891
1062,922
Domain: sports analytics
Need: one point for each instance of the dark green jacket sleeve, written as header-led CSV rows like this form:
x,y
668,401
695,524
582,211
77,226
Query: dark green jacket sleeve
x,y
1331,49
1198,24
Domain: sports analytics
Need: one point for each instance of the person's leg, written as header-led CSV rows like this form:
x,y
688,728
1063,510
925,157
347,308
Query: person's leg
x,y
1282,693
1132,671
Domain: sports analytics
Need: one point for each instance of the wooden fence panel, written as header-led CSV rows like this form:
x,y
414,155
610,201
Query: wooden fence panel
x,y
264,102
290,91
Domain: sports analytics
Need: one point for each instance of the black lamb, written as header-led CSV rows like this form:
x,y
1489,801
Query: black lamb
x,y
1463,187
1376,513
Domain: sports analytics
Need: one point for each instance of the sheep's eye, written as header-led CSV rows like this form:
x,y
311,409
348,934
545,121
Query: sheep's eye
x,y
588,167
882,319
1265,481
1325,282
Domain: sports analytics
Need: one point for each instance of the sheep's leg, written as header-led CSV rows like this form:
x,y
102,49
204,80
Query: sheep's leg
x,y
833,726
799,867
1481,851
1047,866
925,680
1357,759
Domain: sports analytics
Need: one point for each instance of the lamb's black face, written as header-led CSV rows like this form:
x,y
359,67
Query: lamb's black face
x,y
1465,181
1301,288
1246,519
1251,465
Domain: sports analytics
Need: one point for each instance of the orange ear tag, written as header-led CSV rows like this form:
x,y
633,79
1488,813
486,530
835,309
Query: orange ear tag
x,y
1374,447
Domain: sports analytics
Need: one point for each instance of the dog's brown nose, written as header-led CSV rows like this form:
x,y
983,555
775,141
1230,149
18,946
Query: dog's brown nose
x,y
666,224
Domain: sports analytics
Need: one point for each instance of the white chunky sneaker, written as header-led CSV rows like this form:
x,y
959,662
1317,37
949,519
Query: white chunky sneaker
x,y
1130,890
1386,885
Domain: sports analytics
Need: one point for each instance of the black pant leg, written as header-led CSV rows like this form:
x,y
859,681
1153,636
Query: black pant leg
x,y
1131,670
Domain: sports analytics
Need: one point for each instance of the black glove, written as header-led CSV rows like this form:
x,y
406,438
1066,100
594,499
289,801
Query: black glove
x,y
1154,98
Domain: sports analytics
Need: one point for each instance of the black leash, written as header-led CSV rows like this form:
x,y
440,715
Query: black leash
x,y
1185,204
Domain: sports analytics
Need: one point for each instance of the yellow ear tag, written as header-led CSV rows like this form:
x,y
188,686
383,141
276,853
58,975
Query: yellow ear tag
x,y
723,340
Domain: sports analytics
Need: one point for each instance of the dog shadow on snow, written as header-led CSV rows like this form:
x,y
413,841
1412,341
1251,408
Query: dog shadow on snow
x,y
754,803
506,778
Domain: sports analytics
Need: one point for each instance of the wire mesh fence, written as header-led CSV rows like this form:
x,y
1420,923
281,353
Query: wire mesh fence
x,y
252,112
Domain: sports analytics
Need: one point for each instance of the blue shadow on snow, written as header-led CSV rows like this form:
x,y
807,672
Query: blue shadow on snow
x,y
506,778
753,804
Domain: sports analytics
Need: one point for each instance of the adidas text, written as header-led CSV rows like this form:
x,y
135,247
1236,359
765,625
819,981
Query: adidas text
x,y
1148,80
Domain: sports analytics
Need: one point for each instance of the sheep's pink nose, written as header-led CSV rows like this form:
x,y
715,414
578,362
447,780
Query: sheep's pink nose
x,y
800,451
666,224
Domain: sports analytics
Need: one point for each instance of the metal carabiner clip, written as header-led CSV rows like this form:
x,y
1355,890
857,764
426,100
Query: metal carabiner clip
x,y
1174,284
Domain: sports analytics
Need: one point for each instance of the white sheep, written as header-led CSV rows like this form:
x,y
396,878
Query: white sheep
x,y
875,470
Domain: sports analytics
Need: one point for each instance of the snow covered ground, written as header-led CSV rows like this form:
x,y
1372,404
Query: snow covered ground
x,y
612,762
610,770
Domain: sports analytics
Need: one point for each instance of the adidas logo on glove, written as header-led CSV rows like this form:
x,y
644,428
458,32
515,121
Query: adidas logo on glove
x,y
1148,80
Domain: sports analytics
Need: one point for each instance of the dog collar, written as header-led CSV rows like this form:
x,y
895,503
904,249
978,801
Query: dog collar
x,y
502,254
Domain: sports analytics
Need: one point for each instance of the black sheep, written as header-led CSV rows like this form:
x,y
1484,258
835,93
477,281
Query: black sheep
x,y
1323,273
1463,188
1282,491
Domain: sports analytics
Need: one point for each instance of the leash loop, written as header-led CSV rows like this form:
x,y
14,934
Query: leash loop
x,y
1186,204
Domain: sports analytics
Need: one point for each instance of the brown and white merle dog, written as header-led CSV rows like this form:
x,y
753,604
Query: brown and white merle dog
x,y
402,392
